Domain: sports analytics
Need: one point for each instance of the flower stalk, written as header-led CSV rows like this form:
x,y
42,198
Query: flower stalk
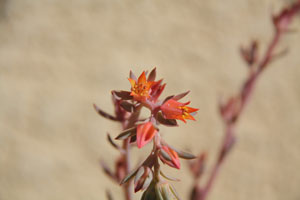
x,y
232,110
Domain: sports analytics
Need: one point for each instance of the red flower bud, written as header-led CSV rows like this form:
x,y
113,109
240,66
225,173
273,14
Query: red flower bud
x,y
143,178
283,19
145,133
169,157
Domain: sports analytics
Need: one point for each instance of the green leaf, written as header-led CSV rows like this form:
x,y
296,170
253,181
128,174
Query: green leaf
x,y
147,181
166,193
168,177
150,193
158,192
174,192
129,107
125,95
183,154
112,142
139,174
180,96
126,134
164,121
128,177
165,155
104,114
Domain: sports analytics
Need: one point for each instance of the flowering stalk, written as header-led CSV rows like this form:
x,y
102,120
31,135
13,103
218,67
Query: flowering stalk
x,y
145,93
231,111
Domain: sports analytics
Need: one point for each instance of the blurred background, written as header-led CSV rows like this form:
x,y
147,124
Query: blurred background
x,y
59,57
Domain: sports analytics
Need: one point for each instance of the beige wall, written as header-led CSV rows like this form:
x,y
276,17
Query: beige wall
x,y
58,57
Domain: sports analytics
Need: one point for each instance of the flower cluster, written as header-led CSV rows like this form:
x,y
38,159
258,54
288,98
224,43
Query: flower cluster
x,y
145,92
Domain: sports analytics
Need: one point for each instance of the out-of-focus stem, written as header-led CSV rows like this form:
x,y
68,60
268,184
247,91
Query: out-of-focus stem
x,y
269,52
216,167
230,126
126,146
128,186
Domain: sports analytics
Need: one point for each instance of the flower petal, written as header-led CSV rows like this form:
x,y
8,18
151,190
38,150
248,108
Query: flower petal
x,y
142,78
173,109
132,82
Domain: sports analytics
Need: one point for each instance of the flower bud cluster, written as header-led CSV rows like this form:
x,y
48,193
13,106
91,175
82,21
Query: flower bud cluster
x,y
160,191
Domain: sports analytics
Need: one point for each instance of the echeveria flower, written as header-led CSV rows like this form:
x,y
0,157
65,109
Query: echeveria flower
x,y
140,88
173,109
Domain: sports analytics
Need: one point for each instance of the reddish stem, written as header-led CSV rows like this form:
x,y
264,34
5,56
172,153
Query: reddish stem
x,y
269,52
126,146
127,186
244,95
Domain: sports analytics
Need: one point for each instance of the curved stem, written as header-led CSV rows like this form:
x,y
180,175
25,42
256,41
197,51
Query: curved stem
x,y
245,95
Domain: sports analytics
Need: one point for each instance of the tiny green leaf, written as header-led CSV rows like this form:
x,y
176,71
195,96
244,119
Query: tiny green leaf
x,y
129,107
165,155
112,142
180,96
158,192
174,192
104,114
126,134
164,121
147,181
168,177
183,154
166,193
139,174
125,95
128,177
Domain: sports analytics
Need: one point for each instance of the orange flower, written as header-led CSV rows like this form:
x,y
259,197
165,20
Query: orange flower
x,y
140,88
175,110
169,157
145,133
